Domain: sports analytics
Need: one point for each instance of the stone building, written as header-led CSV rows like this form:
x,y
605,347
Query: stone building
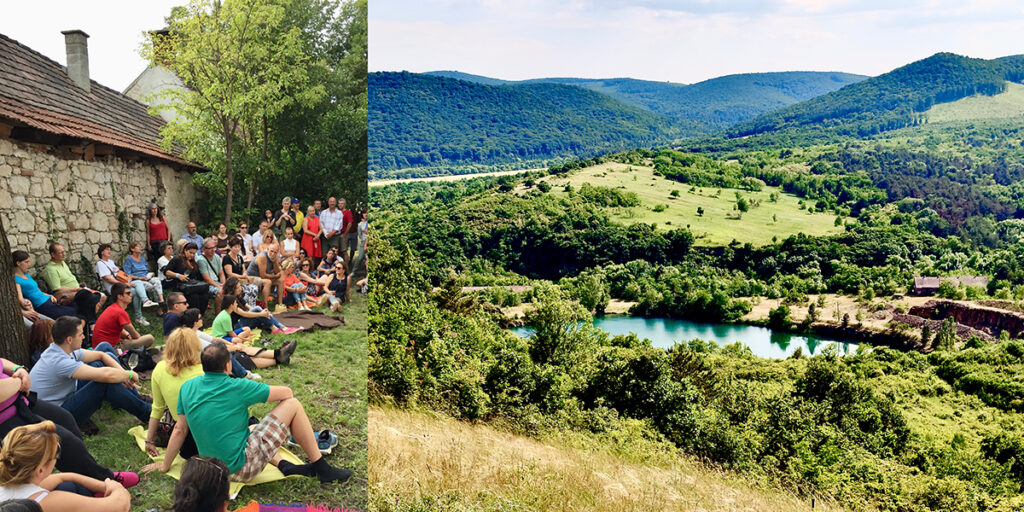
x,y
80,162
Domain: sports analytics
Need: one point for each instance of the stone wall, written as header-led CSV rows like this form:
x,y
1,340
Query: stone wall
x,y
43,196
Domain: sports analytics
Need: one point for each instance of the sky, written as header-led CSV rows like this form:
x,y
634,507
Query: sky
x,y
115,29
683,41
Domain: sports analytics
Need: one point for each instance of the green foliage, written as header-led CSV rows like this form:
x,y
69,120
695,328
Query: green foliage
x,y
422,120
779,318
894,99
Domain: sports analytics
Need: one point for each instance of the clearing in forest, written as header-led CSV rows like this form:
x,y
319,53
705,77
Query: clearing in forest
x,y
720,223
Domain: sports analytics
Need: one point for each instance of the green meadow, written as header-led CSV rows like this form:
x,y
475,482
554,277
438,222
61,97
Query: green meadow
x,y
720,222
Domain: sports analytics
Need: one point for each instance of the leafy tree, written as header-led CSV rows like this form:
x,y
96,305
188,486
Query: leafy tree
x,y
244,64
700,211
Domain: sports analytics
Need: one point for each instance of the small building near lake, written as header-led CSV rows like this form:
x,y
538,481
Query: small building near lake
x,y
930,285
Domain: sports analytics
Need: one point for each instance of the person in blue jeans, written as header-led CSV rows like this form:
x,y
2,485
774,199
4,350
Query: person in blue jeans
x,y
81,380
253,317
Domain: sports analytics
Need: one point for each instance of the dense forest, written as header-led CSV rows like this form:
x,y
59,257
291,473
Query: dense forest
x,y
892,100
421,120
707,106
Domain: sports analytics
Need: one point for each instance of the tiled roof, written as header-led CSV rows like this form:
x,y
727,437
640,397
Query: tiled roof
x,y
37,91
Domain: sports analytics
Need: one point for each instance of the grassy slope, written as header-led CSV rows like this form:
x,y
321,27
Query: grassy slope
x,y
1009,104
327,373
713,228
422,462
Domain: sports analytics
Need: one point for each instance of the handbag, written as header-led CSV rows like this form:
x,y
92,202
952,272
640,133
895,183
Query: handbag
x,y
194,287
122,277
162,436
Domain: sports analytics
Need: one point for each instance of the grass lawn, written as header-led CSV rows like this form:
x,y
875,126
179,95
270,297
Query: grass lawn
x,y
327,373
757,226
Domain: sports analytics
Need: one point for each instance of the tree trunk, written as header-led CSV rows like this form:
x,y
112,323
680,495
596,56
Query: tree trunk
x,y
13,345
252,193
229,171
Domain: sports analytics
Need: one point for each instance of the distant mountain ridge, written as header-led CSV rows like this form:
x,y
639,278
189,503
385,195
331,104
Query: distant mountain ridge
x,y
421,120
703,107
892,100
447,118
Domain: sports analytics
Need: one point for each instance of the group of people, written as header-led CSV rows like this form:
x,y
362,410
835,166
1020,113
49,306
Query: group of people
x,y
44,411
41,409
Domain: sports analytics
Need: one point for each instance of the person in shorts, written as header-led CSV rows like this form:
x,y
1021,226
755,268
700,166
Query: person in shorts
x,y
215,408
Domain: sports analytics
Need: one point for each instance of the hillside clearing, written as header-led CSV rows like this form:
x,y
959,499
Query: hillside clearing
x,y
717,225
430,462
1008,104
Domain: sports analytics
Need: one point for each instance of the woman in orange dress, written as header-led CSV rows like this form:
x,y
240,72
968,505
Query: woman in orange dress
x,y
311,234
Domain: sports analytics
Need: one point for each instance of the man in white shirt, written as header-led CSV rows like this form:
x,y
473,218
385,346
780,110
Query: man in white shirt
x,y
331,222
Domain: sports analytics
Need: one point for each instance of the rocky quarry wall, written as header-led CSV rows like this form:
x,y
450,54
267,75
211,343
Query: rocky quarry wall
x,y
84,203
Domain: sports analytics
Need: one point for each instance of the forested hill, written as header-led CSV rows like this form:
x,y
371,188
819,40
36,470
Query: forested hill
x,y
707,106
420,120
893,100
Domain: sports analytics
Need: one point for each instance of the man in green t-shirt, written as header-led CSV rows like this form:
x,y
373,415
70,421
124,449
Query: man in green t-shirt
x,y
215,408
56,273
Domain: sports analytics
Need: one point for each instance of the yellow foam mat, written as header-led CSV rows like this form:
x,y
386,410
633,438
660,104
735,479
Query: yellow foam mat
x,y
269,473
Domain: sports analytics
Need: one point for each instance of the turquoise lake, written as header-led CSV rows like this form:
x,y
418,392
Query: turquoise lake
x,y
665,332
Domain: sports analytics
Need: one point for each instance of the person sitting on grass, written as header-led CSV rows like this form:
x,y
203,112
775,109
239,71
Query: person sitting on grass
x,y
252,316
235,267
266,267
181,275
179,364
222,327
27,459
57,275
293,287
65,375
203,486
108,271
211,269
16,410
115,327
32,298
215,408
176,305
337,289
289,245
327,263
142,282
168,254
245,358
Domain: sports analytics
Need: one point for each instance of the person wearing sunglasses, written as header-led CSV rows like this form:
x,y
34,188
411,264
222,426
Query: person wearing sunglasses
x,y
114,326
27,459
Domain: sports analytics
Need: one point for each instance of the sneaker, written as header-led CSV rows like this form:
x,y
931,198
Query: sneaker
x,y
326,441
126,478
253,376
150,304
142,321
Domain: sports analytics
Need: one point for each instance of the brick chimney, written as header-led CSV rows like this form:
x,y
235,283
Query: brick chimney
x,y
78,57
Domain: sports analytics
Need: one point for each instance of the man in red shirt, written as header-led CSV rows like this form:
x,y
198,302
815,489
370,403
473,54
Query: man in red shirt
x,y
114,326
348,233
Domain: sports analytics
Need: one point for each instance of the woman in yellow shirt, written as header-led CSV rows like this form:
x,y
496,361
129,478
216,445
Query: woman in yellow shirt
x,y
180,364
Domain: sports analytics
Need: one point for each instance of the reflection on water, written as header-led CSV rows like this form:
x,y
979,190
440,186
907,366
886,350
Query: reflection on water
x,y
665,332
